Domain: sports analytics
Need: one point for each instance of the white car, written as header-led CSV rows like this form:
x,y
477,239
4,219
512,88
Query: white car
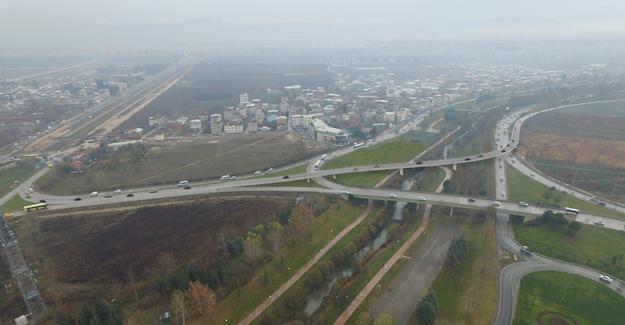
x,y
345,192
224,178
393,195
421,198
496,203
117,191
605,278
600,223
523,204
258,172
94,193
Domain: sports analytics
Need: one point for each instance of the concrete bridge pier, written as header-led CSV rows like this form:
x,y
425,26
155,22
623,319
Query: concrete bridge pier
x,y
401,171
451,211
308,180
333,176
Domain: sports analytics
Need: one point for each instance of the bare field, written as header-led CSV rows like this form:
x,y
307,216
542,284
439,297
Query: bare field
x,y
192,159
575,124
576,150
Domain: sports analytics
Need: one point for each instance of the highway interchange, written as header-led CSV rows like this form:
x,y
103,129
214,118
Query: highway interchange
x,y
507,138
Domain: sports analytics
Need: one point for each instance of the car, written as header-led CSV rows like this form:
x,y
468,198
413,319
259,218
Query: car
x,y
130,195
480,156
467,159
526,250
532,174
285,177
233,178
345,192
496,203
419,162
393,195
421,198
258,172
77,199
270,170
108,195
187,187
223,178
503,194
600,223
153,190
602,203
471,200
523,204
503,151
355,169
376,166
605,278
182,183
501,178
94,193
42,201
117,191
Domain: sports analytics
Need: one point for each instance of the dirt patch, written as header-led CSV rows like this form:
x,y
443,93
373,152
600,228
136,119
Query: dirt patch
x,y
576,150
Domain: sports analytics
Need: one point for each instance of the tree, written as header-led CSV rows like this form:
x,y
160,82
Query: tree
x,y
178,306
265,276
85,316
275,235
364,319
251,247
427,308
384,319
64,319
301,219
575,226
200,298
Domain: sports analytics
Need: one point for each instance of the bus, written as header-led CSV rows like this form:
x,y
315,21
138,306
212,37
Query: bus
x,y
571,210
35,207
317,164
358,145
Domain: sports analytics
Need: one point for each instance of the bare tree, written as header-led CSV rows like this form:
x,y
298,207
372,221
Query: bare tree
x,y
200,298
179,306
275,235
251,246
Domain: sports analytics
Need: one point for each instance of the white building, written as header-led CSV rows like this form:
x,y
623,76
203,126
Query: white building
x,y
216,124
322,132
233,128
244,99
195,124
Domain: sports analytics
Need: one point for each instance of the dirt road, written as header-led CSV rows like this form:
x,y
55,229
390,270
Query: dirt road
x,y
362,295
400,297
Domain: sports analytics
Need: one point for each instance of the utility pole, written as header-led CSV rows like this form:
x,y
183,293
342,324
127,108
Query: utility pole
x,y
23,276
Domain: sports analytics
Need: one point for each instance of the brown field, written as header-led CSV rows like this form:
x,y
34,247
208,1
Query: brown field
x,y
198,159
79,258
570,124
575,150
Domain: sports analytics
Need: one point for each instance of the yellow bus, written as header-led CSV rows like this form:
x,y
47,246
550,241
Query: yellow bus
x,y
35,207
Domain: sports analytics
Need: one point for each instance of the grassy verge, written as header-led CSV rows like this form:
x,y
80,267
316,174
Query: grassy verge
x,y
17,173
467,292
547,297
291,171
596,247
429,180
396,150
16,203
523,188
290,258
298,183
368,179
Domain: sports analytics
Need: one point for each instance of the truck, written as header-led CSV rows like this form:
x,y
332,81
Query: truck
x,y
317,164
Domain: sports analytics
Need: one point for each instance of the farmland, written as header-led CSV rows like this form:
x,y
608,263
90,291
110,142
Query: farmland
x,y
202,159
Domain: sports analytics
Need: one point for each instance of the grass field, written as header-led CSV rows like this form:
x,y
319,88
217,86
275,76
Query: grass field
x,y
467,292
399,149
554,298
290,171
16,203
18,173
293,256
523,188
596,247
429,179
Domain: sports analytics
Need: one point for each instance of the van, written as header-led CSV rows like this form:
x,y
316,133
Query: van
x,y
183,183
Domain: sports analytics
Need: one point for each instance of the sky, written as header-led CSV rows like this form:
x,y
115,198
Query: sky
x,y
26,22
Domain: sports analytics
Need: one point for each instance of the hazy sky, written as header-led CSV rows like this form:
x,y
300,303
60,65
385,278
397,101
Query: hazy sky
x,y
30,19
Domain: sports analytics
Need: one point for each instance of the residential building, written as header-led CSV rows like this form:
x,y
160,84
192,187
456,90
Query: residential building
x,y
195,125
216,124
233,127
322,132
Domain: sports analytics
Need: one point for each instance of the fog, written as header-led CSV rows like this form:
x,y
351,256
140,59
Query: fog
x,y
78,26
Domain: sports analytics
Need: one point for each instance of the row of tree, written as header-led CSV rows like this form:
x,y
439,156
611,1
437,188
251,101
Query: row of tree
x,y
99,312
457,250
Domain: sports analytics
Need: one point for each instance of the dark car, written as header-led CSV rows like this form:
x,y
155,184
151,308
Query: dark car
x,y
419,162
285,177
42,201
355,168
77,199
467,159
503,151
153,190
187,187
471,200
376,166
130,195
